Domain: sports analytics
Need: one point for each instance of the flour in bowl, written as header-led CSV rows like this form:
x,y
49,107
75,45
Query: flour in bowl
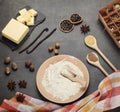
x,y
59,86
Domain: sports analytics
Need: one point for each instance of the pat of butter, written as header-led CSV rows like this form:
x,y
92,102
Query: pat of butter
x,y
32,12
15,31
31,22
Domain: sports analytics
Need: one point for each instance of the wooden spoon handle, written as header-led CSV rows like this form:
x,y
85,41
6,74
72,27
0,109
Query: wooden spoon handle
x,y
106,59
103,70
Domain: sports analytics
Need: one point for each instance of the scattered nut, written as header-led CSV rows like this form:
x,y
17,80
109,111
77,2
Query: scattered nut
x,y
28,63
57,45
50,48
14,66
7,71
7,60
31,68
56,52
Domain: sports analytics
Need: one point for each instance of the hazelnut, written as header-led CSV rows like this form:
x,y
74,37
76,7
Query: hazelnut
x,y
50,48
14,66
57,45
56,52
28,63
31,68
7,60
7,71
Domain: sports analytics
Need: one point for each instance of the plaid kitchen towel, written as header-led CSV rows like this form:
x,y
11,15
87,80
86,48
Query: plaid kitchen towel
x,y
107,97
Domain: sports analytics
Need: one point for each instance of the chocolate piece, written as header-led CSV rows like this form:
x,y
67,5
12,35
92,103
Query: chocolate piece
x,y
31,68
7,60
14,66
66,26
28,63
7,71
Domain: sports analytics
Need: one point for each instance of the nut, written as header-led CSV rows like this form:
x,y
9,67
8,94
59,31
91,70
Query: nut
x,y
31,68
57,45
50,48
7,71
14,66
56,52
7,60
28,63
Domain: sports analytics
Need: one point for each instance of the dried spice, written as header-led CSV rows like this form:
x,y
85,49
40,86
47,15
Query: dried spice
x,y
66,26
22,84
7,60
75,19
85,28
7,71
11,85
20,97
92,57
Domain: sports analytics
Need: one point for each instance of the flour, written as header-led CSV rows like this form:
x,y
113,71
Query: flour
x,y
58,85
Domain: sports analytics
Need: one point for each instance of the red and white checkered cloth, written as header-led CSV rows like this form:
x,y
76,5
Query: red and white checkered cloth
x,y
107,97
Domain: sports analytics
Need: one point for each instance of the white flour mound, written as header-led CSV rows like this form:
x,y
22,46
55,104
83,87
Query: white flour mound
x,y
58,85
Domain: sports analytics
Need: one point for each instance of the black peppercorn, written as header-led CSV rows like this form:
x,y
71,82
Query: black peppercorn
x,y
7,60
31,68
14,66
57,45
28,63
7,71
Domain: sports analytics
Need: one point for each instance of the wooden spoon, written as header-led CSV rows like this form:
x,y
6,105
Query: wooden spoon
x,y
91,42
74,78
93,59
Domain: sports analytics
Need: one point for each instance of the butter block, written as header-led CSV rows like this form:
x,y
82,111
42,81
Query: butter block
x,y
32,12
22,11
31,22
15,31
20,19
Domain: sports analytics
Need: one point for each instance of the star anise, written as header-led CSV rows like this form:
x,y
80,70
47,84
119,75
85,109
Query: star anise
x,y
20,97
11,85
85,28
22,84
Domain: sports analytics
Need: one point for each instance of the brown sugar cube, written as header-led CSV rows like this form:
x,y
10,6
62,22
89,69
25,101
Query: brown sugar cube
x,y
50,48
57,45
56,51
